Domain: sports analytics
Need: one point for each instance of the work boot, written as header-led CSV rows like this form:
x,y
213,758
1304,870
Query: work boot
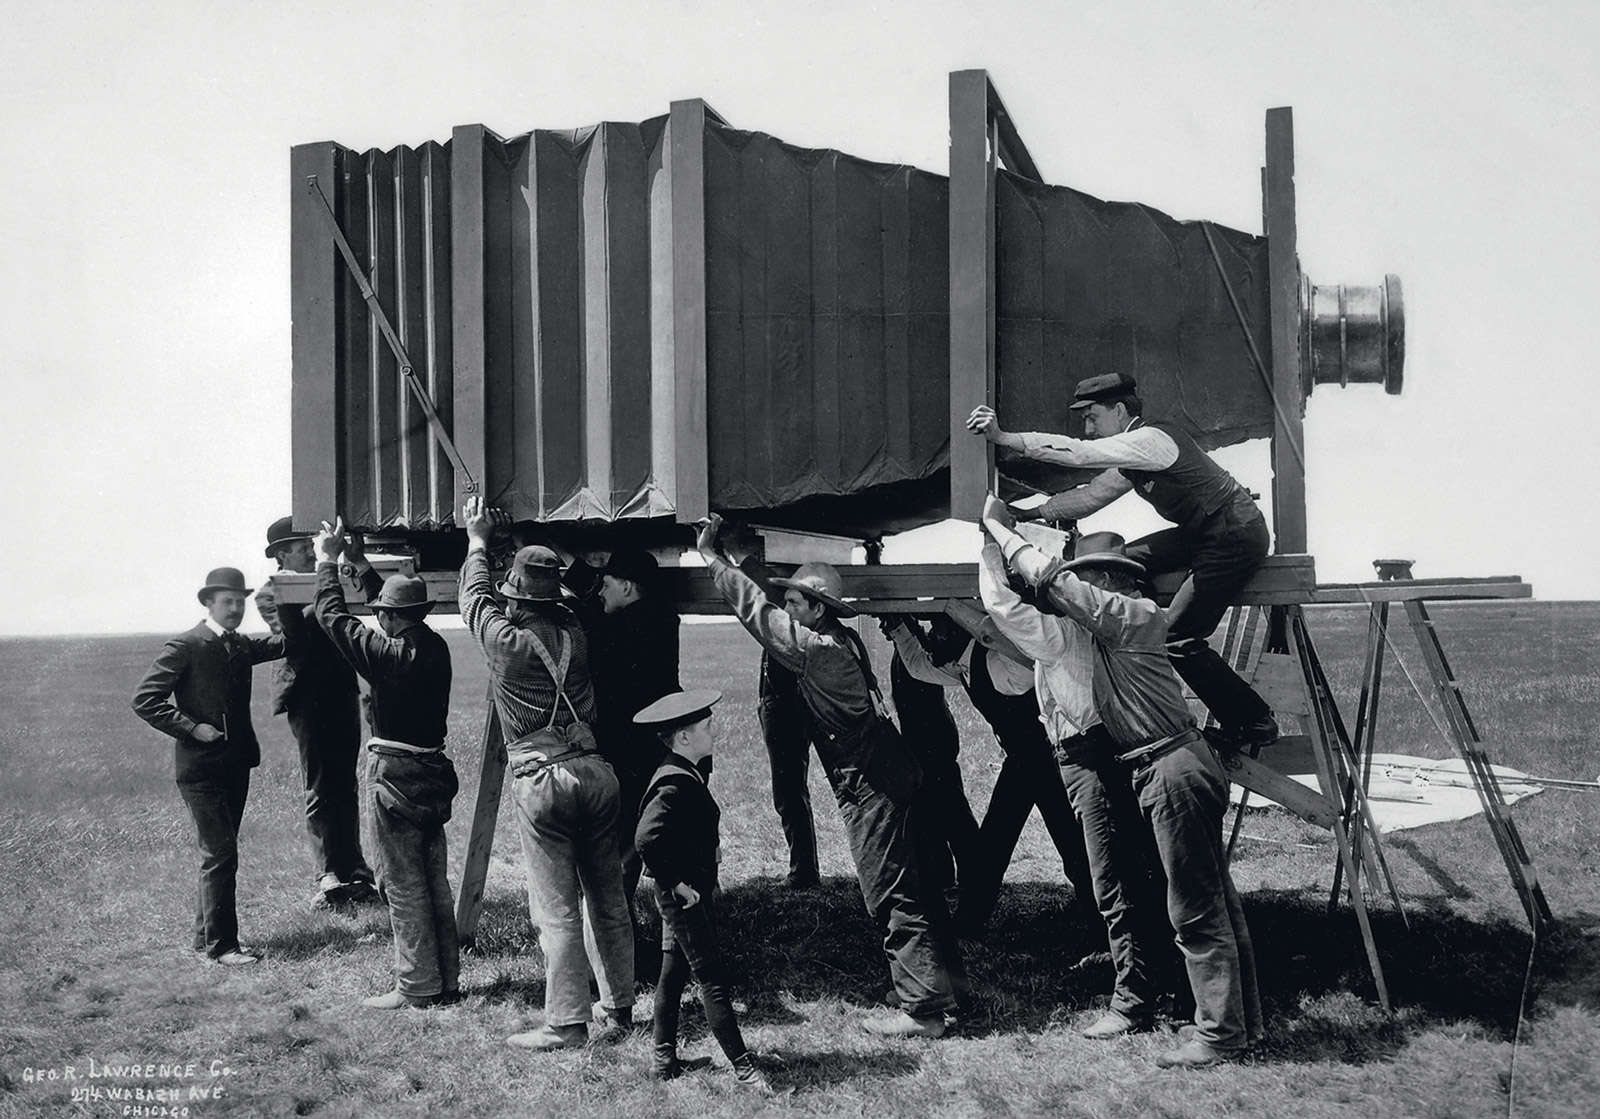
x,y
901,1024
1195,1053
1248,738
665,1064
399,1000
1114,1023
612,1025
546,1038
749,1074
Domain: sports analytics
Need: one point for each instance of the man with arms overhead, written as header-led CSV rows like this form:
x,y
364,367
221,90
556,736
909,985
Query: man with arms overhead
x,y
567,796
1220,536
407,669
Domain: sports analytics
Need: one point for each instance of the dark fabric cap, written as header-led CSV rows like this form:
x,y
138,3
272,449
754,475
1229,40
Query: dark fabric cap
x,y
633,564
1092,390
678,709
282,532
402,592
225,579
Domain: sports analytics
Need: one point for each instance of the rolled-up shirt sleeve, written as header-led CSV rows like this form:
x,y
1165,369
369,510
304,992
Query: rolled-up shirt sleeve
x,y
777,633
1139,448
1028,629
917,662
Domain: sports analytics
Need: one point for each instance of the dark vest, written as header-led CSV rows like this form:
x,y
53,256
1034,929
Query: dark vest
x,y
1190,490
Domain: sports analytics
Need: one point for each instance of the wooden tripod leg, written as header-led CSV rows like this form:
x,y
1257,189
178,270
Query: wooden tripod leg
x,y
1323,731
491,782
1524,879
1355,804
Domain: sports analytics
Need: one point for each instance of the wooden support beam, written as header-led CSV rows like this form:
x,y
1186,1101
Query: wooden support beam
x,y
468,336
686,173
315,275
874,588
972,295
1288,383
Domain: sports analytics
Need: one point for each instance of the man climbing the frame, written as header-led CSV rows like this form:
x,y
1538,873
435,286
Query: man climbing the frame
x,y
1220,536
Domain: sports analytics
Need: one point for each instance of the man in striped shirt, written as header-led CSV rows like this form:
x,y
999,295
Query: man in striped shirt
x,y
567,796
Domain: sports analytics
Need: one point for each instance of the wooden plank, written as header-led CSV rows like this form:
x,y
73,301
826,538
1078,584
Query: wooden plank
x,y
1419,590
468,399
384,387
873,588
436,295
663,400
410,316
1283,278
972,294
485,814
314,270
595,253
1259,777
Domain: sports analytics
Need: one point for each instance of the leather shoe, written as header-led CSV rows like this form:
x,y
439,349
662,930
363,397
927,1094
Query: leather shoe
x,y
1194,1053
546,1038
1250,736
1114,1023
399,1000
236,959
901,1024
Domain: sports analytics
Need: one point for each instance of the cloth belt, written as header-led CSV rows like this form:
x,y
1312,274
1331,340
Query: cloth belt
x,y
1141,756
526,759
394,748
1087,748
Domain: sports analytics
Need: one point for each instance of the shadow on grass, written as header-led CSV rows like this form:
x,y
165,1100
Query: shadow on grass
x,y
1316,984
823,1069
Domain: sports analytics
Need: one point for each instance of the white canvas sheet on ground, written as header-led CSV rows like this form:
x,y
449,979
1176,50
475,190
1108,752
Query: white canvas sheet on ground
x,y
1407,791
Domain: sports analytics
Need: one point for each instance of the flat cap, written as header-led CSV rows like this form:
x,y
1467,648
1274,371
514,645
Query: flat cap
x,y
1107,386
678,709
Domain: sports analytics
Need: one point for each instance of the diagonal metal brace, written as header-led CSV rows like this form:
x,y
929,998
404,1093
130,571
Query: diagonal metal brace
x,y
407,370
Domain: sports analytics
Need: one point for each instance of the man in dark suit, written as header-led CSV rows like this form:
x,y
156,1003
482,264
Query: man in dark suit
x,y
633,661
316,688
198,691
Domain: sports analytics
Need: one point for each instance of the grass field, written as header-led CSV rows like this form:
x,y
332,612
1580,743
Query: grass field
x,y
97,867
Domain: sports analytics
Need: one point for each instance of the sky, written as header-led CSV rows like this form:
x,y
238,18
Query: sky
x,y
144,292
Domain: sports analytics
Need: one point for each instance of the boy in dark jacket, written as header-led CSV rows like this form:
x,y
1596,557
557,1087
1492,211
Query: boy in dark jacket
x,y
677,840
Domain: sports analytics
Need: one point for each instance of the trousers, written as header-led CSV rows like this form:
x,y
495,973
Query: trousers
x,y
786,732
1129,898
217,808
1183,795
1220,555
413,865
567,815
327,731
689,946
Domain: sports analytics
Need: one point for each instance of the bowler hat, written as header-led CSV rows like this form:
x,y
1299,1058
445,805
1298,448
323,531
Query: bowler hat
x,y
403,592
1107,386
282,532
225,579
535,575
678,709
819,581
634,564
1104,550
